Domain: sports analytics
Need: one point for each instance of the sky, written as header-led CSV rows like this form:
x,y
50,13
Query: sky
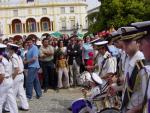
x,y
91,3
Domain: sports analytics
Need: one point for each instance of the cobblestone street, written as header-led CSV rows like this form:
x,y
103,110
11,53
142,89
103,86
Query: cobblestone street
x,y
54,102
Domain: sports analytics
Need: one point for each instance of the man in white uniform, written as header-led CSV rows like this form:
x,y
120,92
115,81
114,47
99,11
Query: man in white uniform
x,y
18,68
144,41
107,64
133,97
6,82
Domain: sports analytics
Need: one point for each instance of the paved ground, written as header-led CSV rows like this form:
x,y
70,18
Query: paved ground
x,y
54,102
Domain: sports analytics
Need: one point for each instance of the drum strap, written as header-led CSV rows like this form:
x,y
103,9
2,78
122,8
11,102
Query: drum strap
x,y
146,90
131,83
103,63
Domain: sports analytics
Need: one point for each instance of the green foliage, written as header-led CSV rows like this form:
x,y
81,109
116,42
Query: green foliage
x,y
119,13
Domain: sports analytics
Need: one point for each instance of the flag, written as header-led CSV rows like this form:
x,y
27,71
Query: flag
x,y
30,0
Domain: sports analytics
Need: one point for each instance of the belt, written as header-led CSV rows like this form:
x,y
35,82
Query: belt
x,y
7,77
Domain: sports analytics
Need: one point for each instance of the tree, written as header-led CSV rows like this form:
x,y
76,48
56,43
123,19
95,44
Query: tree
x,y
120,13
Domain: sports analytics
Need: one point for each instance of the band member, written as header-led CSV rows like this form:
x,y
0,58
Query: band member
x,y
6,82
106,63
85,105
144,41
132,96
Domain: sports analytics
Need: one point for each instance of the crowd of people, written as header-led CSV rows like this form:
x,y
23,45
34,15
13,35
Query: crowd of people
x,y
120,59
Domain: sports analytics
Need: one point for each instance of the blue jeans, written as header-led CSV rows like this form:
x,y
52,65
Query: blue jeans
x,y
32,80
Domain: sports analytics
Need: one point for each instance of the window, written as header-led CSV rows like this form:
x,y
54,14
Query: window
x,y
15,12
45,26
30,11
72,24
32,27
63,24
18,28
44,11
62,10
71,9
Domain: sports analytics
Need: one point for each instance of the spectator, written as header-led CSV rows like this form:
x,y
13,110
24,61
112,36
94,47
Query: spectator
x,y
87,47
74,60
46,57
33,66
62,66
61,48
90,63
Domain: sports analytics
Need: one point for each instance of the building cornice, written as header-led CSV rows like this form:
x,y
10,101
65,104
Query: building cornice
x,y
36,5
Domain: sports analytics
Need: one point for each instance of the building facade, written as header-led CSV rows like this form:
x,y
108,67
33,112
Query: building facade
x,y
39,17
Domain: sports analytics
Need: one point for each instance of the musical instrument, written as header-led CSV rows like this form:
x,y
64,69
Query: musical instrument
x,y
102,103
82,106
105,101
110,110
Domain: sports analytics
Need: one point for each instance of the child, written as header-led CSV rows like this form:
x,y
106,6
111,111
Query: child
x,y
62,67
90,62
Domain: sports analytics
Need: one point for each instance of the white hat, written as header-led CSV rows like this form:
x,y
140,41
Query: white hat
x,y
13,45
141,24
96,78
2,45
124,30
101,43
130,33
95,40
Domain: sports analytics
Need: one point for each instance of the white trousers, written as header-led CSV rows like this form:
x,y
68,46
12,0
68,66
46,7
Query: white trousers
x,y
20,92
7,94
62,71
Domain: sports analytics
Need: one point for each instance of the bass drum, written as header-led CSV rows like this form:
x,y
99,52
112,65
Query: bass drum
x,y
110,110
81,106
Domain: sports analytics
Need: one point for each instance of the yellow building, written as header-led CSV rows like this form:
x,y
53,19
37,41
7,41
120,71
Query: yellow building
x,y
19,18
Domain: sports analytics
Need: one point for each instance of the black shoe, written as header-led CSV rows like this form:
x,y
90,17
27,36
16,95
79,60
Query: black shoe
x,y
45,90
22,109
5,111
70,109
38,97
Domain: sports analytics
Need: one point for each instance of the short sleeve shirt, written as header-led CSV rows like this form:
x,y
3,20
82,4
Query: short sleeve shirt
x,y
137,96
15,61
33,52
86,49
109,66
95,91
7,66
49,49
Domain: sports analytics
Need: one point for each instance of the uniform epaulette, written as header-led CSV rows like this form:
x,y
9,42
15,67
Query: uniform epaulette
x,y
140,64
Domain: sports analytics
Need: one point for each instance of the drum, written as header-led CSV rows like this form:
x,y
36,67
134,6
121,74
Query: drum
x,y
82,79
81,106
109,110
